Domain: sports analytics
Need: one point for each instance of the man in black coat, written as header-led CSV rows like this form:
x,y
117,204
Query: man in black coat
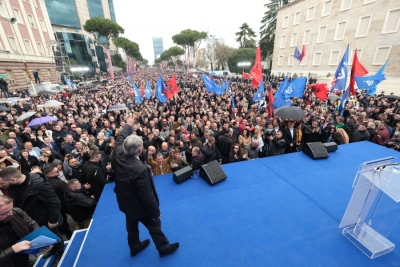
x,y
93,175
33,194
224,144
136,194
79,205
210,151
289,134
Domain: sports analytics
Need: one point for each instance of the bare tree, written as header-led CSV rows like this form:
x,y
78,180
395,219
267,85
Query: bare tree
x,y
210,55
221,54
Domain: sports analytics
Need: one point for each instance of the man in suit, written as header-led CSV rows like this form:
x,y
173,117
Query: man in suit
x,y
289,134
52,145
136,194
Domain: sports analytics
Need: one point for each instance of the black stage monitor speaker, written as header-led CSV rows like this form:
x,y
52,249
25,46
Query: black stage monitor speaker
x,y
212,172
183,174
330,146
315,150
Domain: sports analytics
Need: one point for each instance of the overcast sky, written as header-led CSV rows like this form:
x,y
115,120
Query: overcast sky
x,y
145,19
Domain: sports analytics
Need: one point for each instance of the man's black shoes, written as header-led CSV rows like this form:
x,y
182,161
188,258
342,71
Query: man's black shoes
x,y
143,245
170,249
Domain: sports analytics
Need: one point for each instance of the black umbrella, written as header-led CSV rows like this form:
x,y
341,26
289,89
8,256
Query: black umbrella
x,y
46,92
3,108
391,98
290,112
93,90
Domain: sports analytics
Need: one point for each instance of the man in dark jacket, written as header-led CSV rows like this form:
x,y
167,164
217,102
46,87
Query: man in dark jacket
x,y
197,158
93,175
136,194
361,133
224,144
33,194
79,205
350,127
14,225
210,151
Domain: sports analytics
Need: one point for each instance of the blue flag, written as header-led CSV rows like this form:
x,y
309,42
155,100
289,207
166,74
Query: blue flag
x,y
366,82
260,92
139,98
224,87
147,91
210,85
372,90
233,101
70,84
280,96
128,79
296,88
160,87
297,54
343,101
342,72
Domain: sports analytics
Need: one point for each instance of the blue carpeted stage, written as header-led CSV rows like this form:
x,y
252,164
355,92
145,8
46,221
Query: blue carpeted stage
x,y
278,211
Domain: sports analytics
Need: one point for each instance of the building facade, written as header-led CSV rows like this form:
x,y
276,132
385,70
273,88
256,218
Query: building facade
x,y
75,46
27,40
158,47
326,27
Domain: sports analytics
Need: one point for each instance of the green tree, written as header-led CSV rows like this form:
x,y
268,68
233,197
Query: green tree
x,y
131,48
245,37
190,40
104,27
145,62
117,61
268,22
241,55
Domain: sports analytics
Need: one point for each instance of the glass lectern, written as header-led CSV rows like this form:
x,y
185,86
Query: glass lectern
x,y
372,211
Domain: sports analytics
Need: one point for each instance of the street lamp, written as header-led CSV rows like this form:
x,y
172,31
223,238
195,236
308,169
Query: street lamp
x,y
244,64
13,21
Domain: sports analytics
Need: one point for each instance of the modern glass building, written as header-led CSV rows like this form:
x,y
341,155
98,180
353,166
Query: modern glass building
x,y
95,8
112,12
63,13
158,47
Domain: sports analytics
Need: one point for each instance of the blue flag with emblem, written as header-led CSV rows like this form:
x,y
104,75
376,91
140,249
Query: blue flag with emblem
x,y
342,72
343,101
258,96
297,54
296,88
139,98
280,97
372,89
160,87
147,91
233,101
210,85
366,82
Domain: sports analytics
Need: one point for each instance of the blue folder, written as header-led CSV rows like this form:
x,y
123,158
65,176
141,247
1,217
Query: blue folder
x,y
42,231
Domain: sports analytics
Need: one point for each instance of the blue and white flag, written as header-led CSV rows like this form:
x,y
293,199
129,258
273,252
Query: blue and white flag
x,y
258,96
210,85
366,82
297,54
233,101
128,79
147,91
343,101
372,90
281,100
296,88
71,85
138,96
160,87
342,72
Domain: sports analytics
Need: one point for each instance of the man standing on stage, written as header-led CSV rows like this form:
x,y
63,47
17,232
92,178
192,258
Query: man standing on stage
x,y
136,194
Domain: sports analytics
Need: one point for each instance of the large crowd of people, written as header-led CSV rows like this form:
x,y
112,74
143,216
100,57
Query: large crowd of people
x,y
72,157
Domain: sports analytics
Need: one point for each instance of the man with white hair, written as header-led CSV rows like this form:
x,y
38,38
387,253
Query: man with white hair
x,y
136,194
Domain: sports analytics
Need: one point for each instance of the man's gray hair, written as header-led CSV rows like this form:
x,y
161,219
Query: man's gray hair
x,y
132,145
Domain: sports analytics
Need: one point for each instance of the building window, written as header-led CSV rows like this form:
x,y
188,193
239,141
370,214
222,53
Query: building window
x,y
28,47
10,76
35,3
280,61
290,60
317,58
363,26
366,2
40,48
13,44
321,34
392,21
306,36
3,10
351,57
334,58
346,5
381,55
296,19
17,15
31,21
310,13
43,25
283,41
340,31
326,9
285,22
293,41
